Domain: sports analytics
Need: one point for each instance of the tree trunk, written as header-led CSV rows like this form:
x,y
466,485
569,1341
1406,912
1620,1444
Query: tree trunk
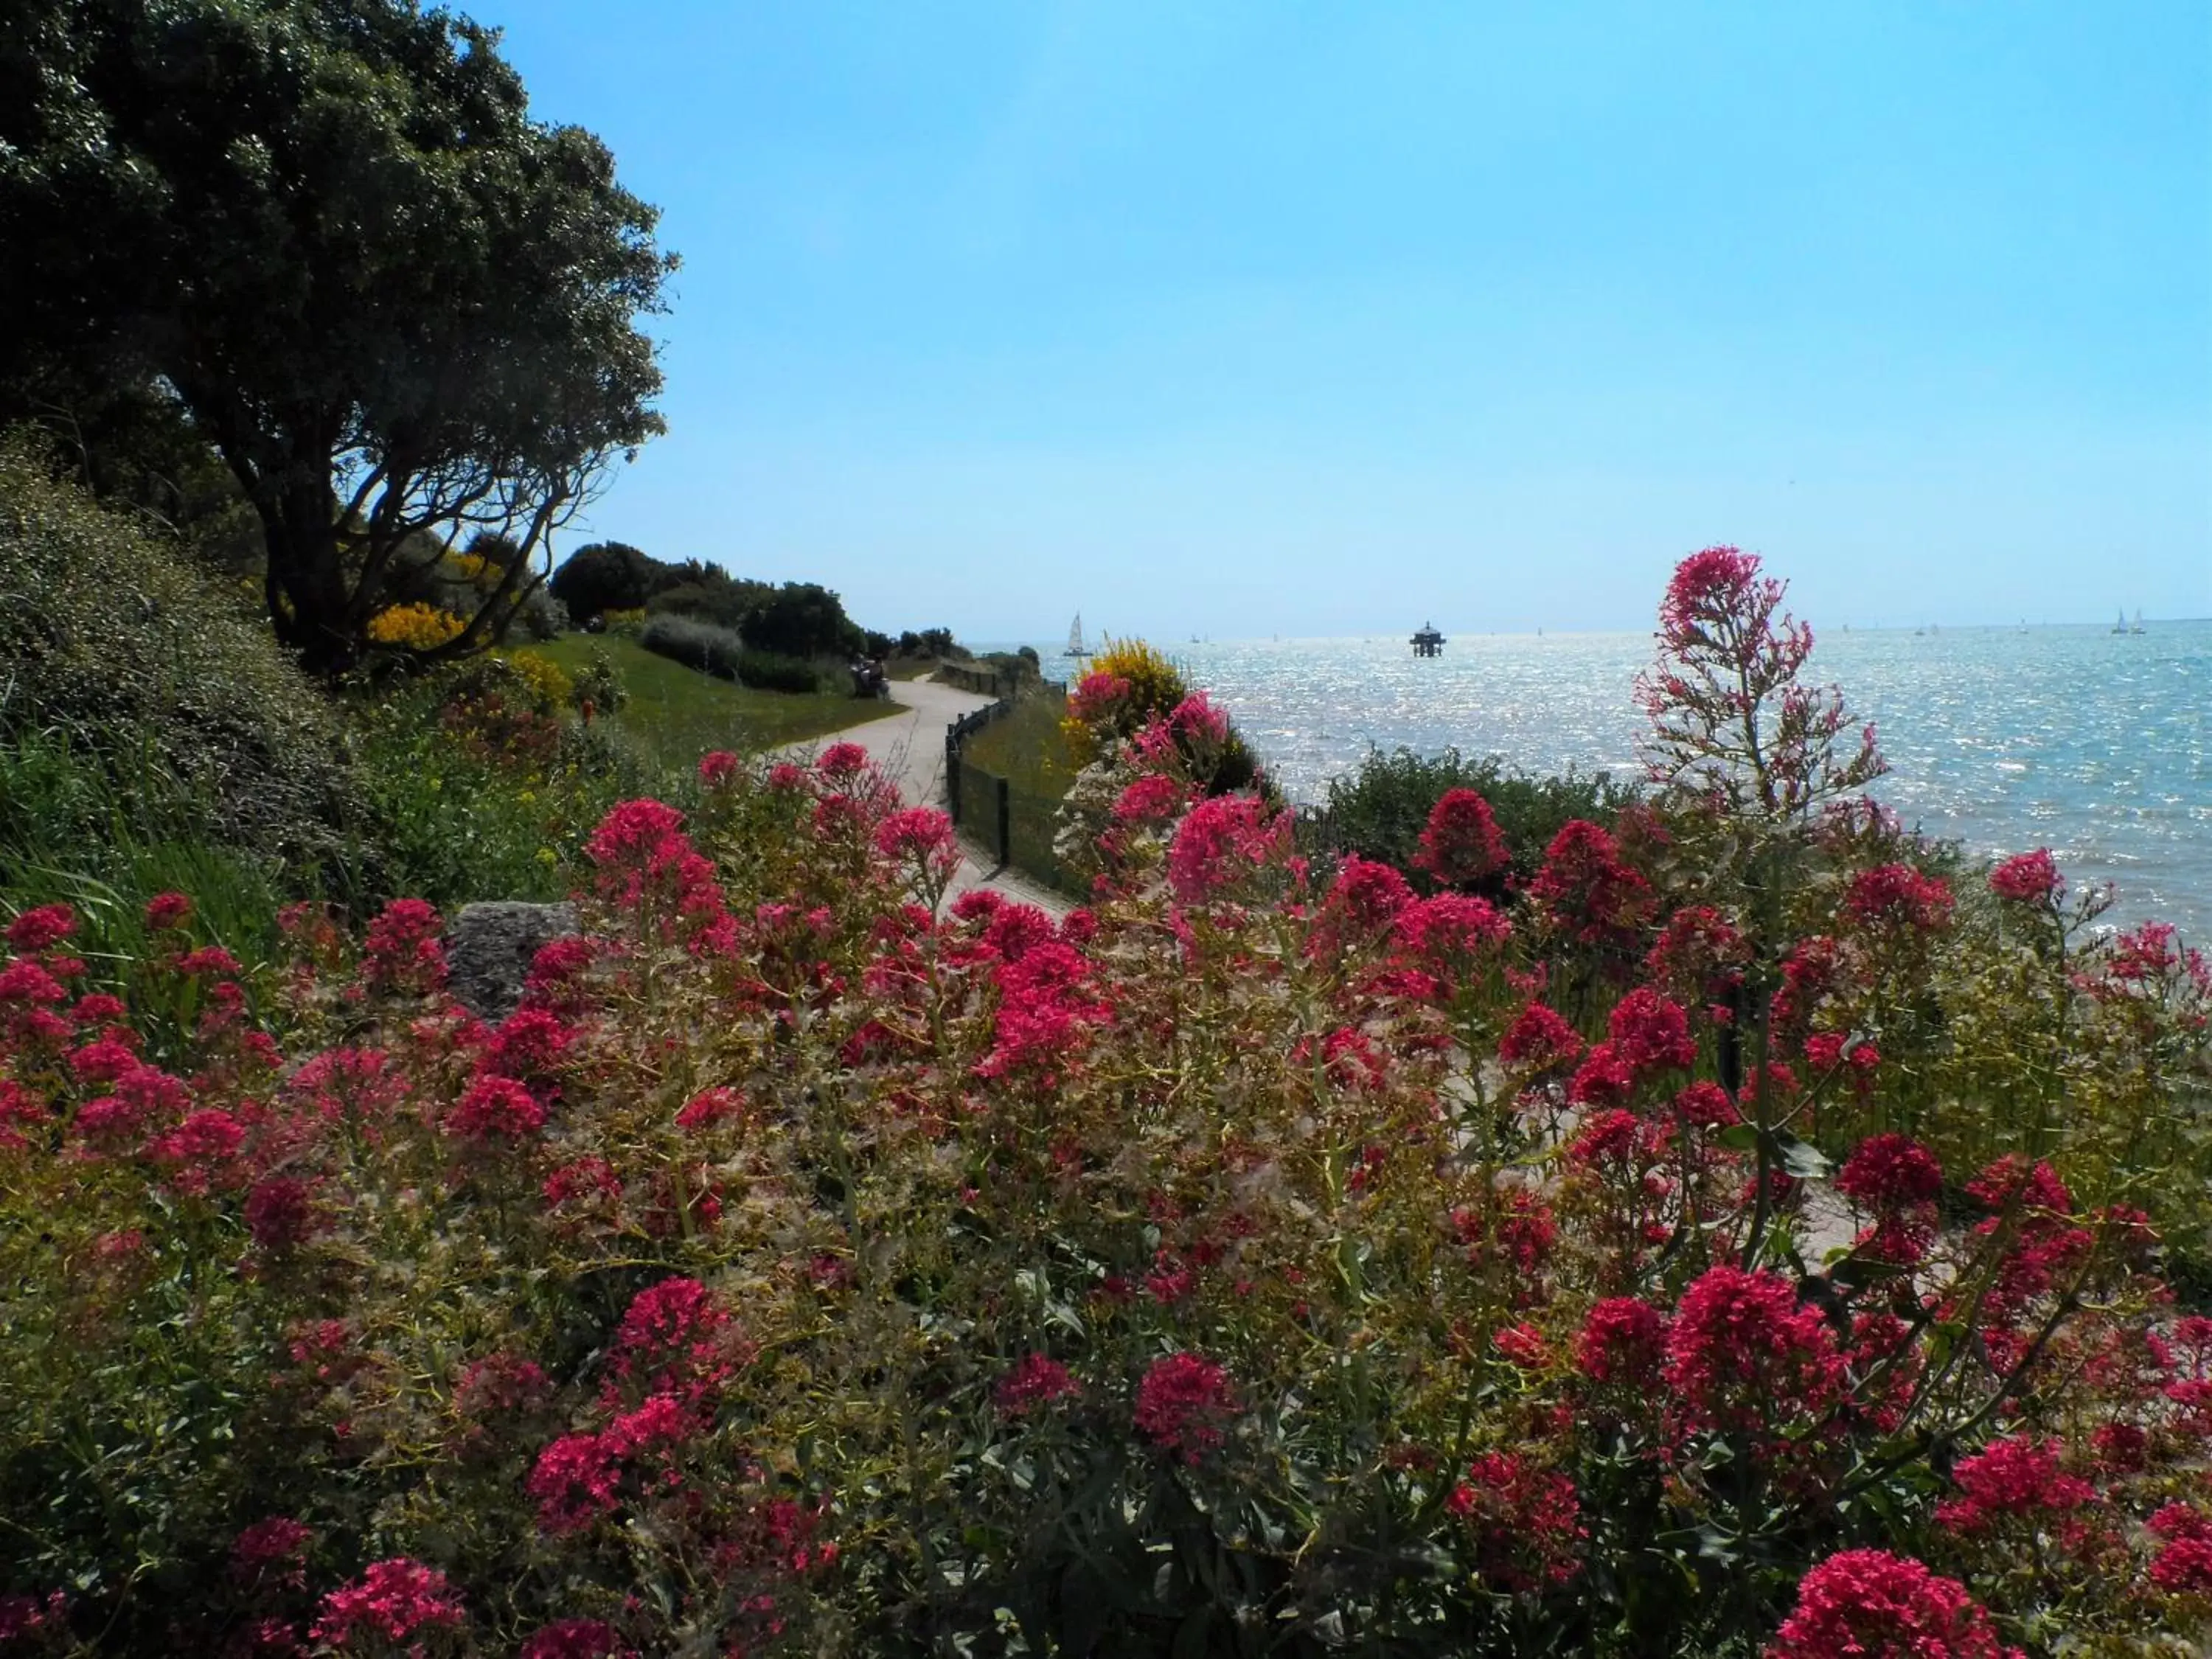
x,y
312,601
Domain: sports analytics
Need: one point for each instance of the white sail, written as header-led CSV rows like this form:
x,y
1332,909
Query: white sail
x,y
1075,646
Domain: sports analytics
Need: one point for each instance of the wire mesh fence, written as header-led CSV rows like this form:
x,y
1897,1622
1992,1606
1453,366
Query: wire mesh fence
x,y
1016,825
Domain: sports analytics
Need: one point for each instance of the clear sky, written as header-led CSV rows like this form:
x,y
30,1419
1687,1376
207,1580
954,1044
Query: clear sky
x,y
1241,318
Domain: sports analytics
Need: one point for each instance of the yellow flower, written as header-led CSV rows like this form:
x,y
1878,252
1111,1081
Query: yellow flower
x,y
547,856
418,627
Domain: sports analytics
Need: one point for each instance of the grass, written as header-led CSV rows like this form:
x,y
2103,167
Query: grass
x,y
676,715
1027,749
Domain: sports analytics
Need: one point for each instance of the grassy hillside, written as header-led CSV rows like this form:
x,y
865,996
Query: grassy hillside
x,y
678,714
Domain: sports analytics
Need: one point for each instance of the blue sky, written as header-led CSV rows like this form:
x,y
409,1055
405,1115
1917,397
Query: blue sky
x,y
1238,319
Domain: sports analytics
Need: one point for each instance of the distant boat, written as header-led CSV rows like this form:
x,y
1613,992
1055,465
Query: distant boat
x,y
2121,626
1075,646
2138,627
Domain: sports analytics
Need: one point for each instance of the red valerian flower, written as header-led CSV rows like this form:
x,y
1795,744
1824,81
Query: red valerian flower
x,y
1604,1078
1523,1347
1698,955
717,767
1047,1003
42,928
1183,1405
1367,895
1015,930
1742,1354
279,1543
841,761
2184,1567
281,1213
1221,841
574,1638
1873,1605
1539,1039
2014,1476
1154,798
1461,843
392,1601
2027,878
1526,1521
709,1107
166,912
1891,1172
1899,894
920,837
27,982
210,960
1037,1380
1585,889
1448,931
496,1109
401,952
675,1339
576,1481
1607,1137
1623,1340
199,1147
1651,1032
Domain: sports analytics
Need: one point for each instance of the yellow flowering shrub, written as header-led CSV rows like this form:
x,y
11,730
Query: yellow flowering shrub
x,y
544,681
1130,682
416,627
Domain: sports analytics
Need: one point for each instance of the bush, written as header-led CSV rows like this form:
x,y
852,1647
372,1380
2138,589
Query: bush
x,y
697,645
119,652
1379,810
605,576
723,604
765,670
599,684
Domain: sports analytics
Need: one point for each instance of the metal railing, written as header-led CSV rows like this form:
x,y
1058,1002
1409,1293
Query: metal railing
x,y
1016,825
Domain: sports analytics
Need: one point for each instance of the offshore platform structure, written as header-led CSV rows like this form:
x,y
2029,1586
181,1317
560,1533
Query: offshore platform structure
x,y
1428,643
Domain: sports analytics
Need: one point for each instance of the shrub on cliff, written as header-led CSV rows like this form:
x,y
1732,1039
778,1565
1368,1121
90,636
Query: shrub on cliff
x,y
112,640
1381,811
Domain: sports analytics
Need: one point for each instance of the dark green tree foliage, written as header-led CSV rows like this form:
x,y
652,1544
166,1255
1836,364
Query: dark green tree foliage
x,y
389,298
802,619
606,576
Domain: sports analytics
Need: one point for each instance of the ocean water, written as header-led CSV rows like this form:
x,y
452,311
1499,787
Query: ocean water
x,y
2097,745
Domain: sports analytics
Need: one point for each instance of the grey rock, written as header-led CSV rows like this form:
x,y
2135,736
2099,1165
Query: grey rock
x,y
488,950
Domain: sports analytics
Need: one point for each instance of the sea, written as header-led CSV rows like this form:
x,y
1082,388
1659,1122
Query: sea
x,y
2095,743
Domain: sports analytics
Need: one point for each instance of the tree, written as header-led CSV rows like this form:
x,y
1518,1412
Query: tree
x,y
394,304
605,576
802,619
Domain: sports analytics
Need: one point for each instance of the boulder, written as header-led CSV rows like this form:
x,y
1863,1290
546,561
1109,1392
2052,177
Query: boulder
x,y
488,950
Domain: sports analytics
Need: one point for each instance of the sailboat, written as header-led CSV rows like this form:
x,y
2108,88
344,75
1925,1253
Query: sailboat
x,y
2121,626
1076,648
2138,627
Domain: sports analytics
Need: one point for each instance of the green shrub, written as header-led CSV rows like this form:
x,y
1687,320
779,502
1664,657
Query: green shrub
x,y
1379,810
768,671
723,604
114,646
697,645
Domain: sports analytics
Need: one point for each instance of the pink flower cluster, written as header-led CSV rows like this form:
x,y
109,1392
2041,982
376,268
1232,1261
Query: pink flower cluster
x,y
1184,1405
1461,843
1873,1605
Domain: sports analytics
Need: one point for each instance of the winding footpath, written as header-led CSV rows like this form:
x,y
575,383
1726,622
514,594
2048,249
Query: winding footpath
x,y
909,747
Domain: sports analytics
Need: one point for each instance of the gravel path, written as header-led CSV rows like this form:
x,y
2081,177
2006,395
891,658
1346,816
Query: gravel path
x,y
909,746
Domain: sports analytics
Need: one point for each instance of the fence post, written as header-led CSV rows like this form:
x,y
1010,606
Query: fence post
x,y
952,771
1006,821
